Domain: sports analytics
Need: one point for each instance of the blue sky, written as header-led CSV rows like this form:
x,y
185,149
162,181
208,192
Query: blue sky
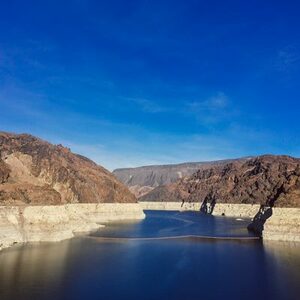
x,y
131,83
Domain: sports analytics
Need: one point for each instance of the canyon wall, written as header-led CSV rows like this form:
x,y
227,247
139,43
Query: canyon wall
x,y
142,180
265,180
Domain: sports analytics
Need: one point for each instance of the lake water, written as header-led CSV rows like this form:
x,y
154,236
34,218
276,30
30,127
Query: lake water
x,y
89,267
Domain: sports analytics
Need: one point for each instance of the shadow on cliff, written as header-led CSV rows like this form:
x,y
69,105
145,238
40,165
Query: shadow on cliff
x,y
208,205
258,222
265,212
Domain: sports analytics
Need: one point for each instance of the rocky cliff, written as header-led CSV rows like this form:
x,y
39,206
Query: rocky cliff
x,y
142,180
35,172
265,180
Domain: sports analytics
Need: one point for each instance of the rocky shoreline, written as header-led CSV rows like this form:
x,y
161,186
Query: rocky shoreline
x,y
48,193
52,223
220,209
282,225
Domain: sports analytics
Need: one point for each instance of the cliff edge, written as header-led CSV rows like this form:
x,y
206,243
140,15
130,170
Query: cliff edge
x,y
35,172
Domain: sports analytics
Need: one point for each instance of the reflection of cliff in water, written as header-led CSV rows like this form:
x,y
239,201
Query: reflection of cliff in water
x,y
40,264
285,259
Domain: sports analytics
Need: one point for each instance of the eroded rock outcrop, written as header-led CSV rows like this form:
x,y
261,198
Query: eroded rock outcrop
x,y
33,171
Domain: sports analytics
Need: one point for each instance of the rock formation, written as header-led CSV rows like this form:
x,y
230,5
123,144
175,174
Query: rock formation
x,y
142,180
140,191
47,193
36,172
266,180
265,189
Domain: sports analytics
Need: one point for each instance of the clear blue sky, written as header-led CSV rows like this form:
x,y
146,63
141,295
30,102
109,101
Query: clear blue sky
x,y
131,83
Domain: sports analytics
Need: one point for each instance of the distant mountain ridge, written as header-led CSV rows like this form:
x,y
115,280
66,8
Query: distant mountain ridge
x,y
142,180
266,180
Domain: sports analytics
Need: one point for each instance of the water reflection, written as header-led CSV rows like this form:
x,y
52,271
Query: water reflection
x,y
284,258
32,267
164,223
86,268
284,251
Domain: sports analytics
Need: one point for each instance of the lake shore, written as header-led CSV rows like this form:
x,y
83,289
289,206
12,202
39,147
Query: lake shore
x,y
283,225
21,224
52,223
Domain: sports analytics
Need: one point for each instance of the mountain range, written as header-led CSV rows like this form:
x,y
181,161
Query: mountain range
x,y
142,180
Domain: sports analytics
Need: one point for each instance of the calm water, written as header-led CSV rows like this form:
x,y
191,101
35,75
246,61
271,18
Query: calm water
x,y
90,268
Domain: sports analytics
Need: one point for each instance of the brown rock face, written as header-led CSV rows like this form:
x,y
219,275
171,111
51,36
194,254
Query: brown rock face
x,y
4,171
142,180
33,171
140,191
269,180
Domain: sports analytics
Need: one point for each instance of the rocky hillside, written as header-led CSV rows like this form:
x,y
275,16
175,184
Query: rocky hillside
x,y
142,180
33,171
270,180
